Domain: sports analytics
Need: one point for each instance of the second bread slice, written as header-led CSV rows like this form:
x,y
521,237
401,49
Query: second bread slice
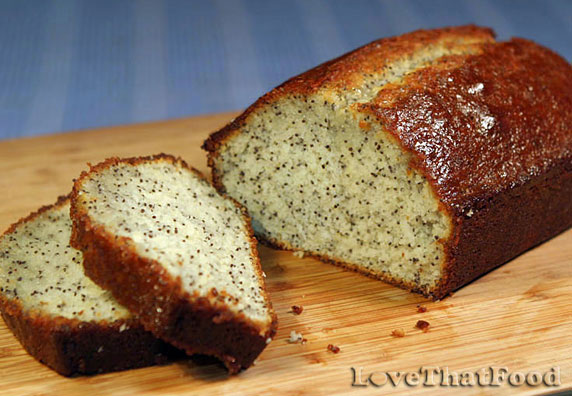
x,y
176,253
60,316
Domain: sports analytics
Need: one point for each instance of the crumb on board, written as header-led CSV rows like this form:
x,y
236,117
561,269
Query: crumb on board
x,y
296,337
297,309
421,308
422,325
398,333
299,253
333,348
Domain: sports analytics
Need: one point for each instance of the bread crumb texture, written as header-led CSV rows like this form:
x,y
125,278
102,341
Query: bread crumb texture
x,y
174,217
40,270
296,337
311,177
399,333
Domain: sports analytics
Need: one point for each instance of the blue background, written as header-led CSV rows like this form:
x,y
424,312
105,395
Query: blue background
x,y
67,65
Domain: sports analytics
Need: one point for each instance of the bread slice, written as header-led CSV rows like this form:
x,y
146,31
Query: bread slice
x,y
176,253
424,160
59,315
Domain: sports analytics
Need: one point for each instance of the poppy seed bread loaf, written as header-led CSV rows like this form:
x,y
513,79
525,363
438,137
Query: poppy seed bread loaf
x,y
424,160
58,314
176,253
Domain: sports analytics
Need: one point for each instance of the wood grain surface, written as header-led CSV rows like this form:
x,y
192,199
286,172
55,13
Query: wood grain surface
x,y
518,316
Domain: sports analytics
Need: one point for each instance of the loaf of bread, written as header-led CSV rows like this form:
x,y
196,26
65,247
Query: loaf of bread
x,y
424,160
176,253
59,315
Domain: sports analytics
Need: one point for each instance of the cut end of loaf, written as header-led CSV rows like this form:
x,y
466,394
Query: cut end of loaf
x,y
331,183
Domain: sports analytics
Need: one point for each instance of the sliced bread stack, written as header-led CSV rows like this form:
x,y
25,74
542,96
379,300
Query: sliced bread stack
x,y
176,253
161,246
60,316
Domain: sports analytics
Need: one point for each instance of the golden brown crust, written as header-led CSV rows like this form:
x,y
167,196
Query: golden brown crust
x,y
72,346
508,106
346,72
491,132
507,225
196,324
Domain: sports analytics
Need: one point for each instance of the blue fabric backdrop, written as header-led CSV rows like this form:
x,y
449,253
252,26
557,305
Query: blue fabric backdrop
x,y
67,65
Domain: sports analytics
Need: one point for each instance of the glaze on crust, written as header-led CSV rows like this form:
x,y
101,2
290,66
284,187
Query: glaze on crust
x,y
189,322
491,132
71,346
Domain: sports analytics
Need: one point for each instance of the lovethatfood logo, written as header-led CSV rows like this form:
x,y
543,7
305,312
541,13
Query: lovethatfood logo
x,y
441,376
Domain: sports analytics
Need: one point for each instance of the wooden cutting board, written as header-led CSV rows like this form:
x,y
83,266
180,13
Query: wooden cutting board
x,y
518,316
